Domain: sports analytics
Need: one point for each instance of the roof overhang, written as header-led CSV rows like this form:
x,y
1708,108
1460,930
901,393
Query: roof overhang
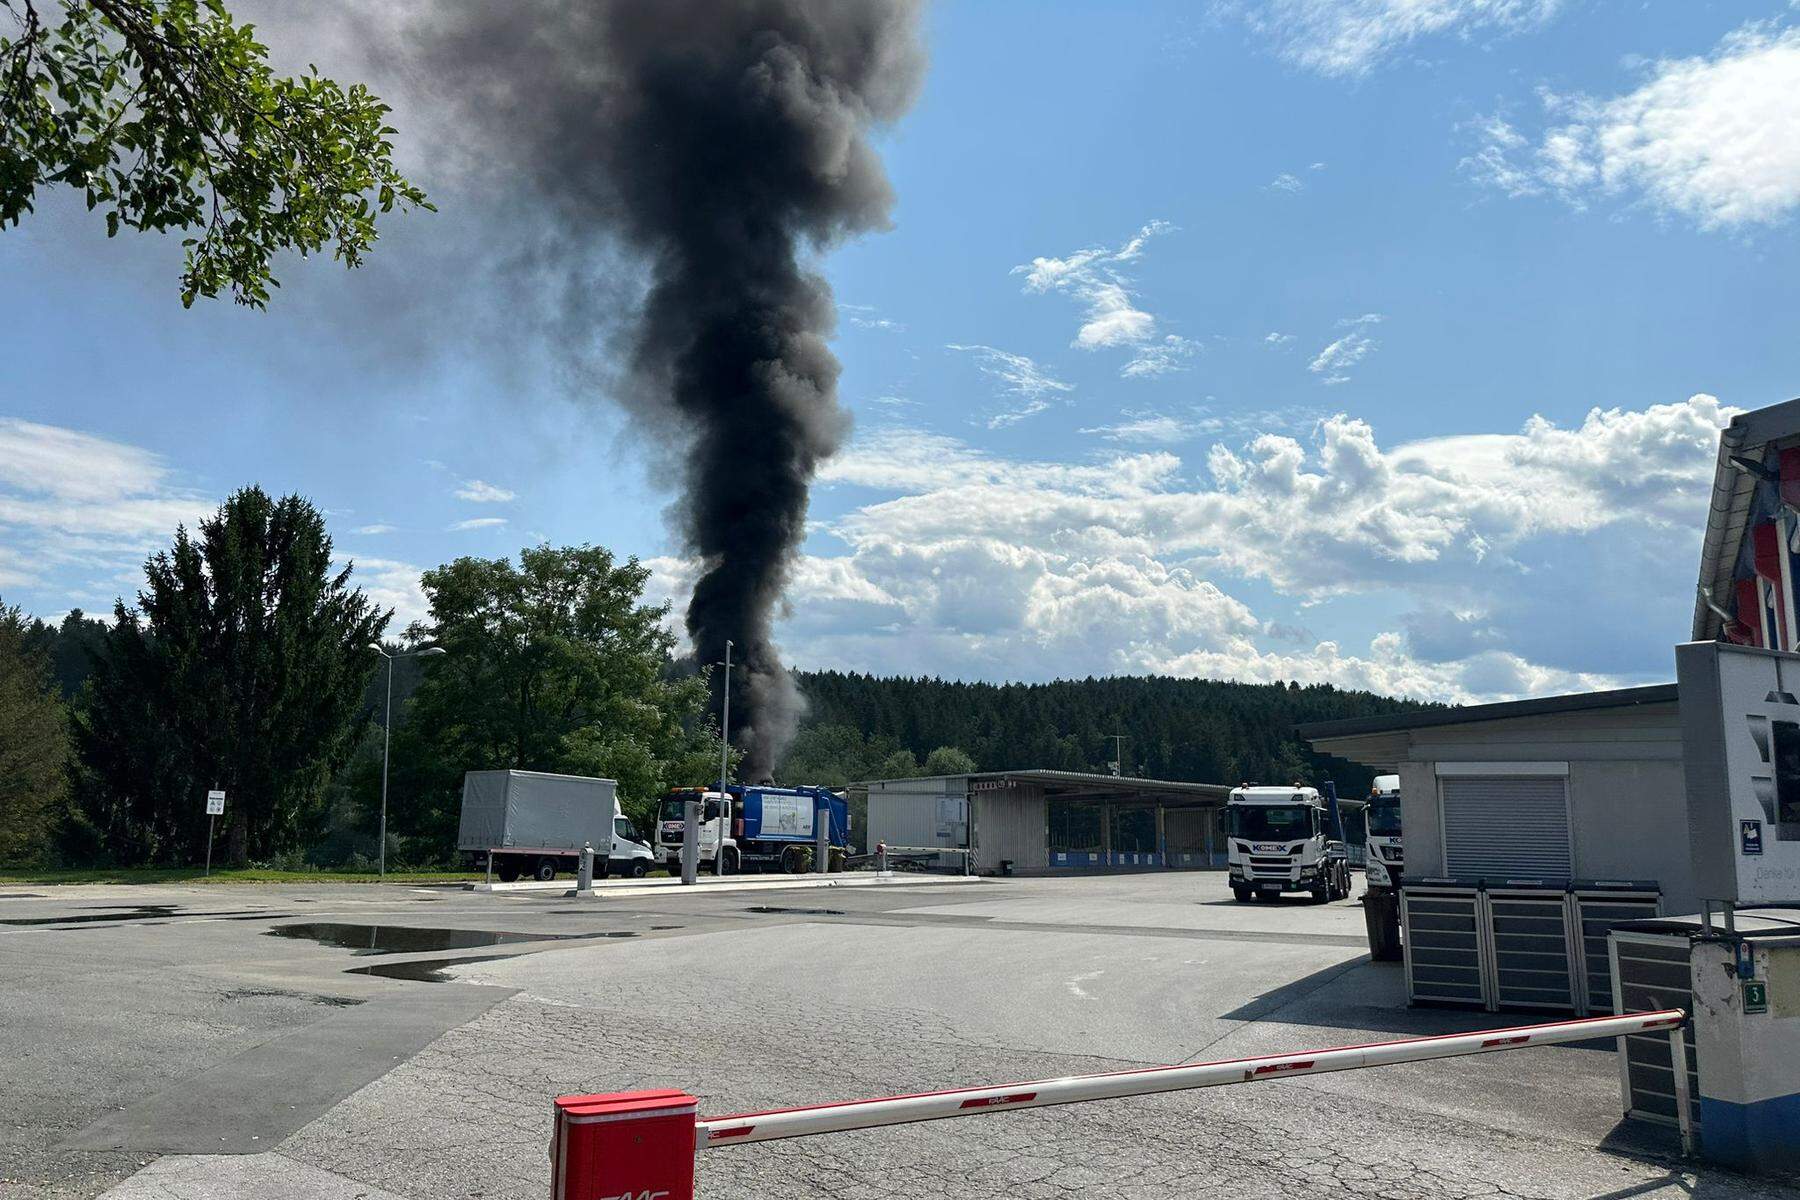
x,y
1752,435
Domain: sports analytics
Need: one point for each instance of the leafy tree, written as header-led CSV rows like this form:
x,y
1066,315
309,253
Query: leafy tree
x,y
948,760
241,668
34,744
165,115
553,665
899,765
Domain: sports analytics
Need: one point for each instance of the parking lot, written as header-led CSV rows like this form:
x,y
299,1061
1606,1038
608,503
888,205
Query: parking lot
x,y
161,1043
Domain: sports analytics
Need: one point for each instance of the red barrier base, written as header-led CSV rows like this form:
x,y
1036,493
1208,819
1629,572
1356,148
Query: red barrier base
x,y
623,1146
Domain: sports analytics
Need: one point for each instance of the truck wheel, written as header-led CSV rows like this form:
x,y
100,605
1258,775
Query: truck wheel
x,y
790,861
506,869
729,863
545,871
1241,894
1321,894
638,868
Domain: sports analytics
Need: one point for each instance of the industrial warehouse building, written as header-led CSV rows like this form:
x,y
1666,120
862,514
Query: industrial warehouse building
x,y
1034,821
1580,787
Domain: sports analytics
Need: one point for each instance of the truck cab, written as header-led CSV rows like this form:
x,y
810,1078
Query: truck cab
x,y
755,828
1386,858
1279,840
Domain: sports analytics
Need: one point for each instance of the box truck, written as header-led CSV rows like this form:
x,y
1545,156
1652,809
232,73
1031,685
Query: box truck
x,y
533,823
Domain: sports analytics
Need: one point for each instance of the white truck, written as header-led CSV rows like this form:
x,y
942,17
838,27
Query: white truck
x,y
1386,864
534,823
1279,839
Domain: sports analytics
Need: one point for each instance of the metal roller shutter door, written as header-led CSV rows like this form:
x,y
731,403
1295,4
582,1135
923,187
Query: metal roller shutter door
x,y
1499,829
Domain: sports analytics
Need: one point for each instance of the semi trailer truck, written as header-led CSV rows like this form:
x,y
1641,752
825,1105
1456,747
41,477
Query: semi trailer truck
x,y
755,828
1386,862
1284,839
534,823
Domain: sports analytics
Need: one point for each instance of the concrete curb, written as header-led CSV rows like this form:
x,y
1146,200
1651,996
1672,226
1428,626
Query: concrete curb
x,y
736,883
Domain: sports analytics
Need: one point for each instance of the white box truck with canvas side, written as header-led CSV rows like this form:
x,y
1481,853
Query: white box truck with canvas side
x,y
1279,839
533,823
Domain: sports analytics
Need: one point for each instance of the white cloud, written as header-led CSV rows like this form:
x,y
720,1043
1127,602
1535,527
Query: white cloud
x,y
1285,182
481,492
371,530
1096,277
1348,37
1333,363
73,503
475,523
1483,547
1019,376
390,584
1278,340
1160,358
1714,139
1158,429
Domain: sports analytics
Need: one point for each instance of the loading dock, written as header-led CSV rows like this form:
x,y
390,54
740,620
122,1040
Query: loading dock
x,y
1036,821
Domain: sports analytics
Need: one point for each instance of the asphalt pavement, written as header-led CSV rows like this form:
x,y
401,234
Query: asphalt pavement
x,y
408,1042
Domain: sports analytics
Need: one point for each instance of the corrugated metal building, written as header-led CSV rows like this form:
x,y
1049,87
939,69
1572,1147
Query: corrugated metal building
x,y
1588,786
1050,820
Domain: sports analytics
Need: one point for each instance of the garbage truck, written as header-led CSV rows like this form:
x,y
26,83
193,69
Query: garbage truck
x,y
754,828
1386,861
1284,839
534,823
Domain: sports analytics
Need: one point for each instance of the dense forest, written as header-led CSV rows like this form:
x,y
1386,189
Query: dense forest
x,y
1206,730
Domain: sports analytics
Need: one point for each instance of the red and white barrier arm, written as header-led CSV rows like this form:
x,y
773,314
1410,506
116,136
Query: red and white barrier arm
x,y
644,1145
744,1128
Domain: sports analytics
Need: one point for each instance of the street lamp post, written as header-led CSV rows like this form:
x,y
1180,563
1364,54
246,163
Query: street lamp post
x,y
725,728
387,734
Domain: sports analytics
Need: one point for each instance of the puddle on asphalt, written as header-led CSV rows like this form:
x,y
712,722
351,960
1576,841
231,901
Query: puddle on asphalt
x,y
254,993
429,970
21,895
805,912
403,939
134,912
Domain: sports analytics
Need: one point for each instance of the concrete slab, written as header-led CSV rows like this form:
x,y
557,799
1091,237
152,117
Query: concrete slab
x,y
239,1177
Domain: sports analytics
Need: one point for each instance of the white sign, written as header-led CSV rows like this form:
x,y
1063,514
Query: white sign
x,y
215,804
792,815
1740,735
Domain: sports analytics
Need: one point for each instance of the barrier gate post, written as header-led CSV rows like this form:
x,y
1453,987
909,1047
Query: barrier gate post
x,y
624,1146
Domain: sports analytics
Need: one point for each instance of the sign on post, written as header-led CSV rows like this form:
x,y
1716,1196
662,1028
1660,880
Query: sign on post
x,y
215,804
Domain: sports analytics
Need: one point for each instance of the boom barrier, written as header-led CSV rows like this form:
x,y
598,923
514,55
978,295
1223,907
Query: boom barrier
x,y
644,1145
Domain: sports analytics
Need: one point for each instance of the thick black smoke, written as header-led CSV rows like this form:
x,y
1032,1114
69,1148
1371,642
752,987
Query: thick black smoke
x,y
715,143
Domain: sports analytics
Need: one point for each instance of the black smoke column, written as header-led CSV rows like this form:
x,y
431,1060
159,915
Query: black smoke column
x,y
716,143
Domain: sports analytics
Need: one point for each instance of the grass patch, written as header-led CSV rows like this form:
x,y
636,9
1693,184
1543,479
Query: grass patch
x,y
141,875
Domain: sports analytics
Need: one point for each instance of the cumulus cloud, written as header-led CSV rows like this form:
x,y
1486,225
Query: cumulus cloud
x,y
481,492
1485,549
392,585
1285,182
1098,278
1714,139
1349,37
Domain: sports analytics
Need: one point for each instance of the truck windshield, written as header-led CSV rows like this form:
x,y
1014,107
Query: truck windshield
x,y
672,809
1269,822
1384,816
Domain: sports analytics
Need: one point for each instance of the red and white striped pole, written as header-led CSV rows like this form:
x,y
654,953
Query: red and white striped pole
x,y
617,1161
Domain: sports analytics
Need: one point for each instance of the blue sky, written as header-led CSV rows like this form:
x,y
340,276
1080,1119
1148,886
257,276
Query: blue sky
x,y
1381,342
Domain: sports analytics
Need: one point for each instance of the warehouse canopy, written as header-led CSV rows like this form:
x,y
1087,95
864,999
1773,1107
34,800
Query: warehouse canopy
x,y
1072,785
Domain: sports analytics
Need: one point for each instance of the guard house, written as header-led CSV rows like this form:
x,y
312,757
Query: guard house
x,y
1040,820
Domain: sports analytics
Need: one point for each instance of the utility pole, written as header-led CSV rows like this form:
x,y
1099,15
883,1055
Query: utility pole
x,y
1118,762
725,726
387,729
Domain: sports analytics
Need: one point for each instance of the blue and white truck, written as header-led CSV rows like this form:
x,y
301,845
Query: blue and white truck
x,y
755,828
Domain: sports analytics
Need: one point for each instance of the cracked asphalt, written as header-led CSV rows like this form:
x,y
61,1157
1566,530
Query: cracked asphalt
x,y
179,1052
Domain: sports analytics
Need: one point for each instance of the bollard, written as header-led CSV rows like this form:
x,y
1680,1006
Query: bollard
x,y
690,842
623,1144
821,839
881,858
584,879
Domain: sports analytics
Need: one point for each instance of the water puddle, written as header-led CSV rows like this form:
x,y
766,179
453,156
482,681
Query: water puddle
x,y
427,970
133,912
403,939
806,912
21,895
